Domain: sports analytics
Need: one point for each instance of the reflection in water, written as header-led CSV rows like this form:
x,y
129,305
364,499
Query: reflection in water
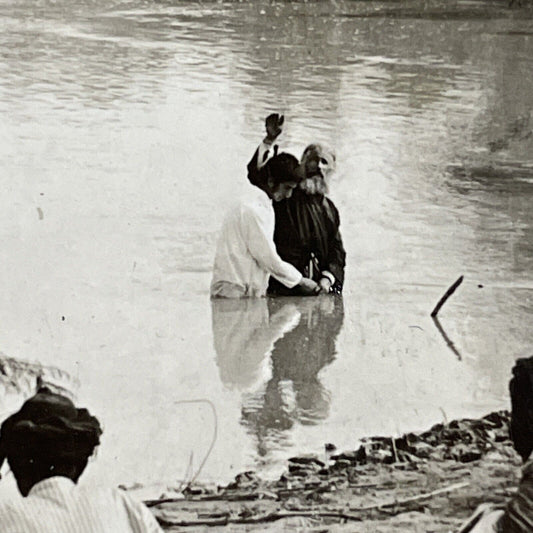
x,y
300,334
447,339
244,333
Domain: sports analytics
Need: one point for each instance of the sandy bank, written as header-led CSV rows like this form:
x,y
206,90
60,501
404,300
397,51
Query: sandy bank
x,y
426,482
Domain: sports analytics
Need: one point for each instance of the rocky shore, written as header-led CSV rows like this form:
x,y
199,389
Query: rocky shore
x,y
425,482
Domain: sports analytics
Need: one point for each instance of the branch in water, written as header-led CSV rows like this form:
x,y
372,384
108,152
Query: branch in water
x,y
447,294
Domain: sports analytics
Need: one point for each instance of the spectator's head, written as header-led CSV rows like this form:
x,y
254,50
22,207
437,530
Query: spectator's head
x,y
521,388
281,176
48,437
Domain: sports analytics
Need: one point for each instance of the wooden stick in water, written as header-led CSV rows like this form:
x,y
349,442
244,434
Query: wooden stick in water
x,y
447,294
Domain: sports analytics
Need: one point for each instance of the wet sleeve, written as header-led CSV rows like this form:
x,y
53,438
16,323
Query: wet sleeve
x,y
261,246
261,156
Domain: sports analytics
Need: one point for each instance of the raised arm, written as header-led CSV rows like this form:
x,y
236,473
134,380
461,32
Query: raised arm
x,y
255,166
267,148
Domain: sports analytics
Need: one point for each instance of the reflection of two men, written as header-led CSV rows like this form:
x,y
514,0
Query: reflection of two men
x,y
272,349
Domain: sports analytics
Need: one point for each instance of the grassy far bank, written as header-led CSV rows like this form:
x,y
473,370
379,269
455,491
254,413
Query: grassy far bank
x,y
425,482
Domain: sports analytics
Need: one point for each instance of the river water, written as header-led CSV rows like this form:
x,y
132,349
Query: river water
x,y
126,128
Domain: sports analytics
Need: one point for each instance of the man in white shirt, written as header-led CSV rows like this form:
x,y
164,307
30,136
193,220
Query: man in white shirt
x,y
246,254
47,445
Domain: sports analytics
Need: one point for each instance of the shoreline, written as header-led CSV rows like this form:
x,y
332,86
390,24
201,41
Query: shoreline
x,y
427,481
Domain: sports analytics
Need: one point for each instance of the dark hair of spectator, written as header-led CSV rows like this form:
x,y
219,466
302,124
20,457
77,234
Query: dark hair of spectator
x,y
521,389
48,436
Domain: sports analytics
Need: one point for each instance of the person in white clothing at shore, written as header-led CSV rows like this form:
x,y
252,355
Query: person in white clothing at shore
x,y
246,254
47,444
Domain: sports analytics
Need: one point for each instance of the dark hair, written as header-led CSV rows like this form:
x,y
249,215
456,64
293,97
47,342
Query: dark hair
x,y
48,436
282,169
521,388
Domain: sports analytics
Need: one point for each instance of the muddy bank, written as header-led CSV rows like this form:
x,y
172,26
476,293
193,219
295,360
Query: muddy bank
x,y
429,481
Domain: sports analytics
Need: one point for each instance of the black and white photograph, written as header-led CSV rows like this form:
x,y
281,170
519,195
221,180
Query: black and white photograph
x,y
267,266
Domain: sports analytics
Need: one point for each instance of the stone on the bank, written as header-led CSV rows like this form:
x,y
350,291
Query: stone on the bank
x,y
193,491
301,470
358,456
422,450
244,480
307,460
464,453
341,464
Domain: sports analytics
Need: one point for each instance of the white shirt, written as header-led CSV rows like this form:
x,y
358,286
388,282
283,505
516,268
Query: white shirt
x,y
58,505
246,254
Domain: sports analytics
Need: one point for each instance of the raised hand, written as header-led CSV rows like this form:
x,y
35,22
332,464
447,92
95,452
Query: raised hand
x,y
274,125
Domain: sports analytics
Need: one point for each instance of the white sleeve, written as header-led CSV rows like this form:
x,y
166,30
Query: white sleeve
x,y
262,249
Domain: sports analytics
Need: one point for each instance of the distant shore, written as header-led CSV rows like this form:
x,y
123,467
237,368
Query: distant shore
x,y
429,481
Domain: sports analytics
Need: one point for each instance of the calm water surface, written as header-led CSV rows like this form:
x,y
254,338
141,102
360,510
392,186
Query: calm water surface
x,y
126,127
